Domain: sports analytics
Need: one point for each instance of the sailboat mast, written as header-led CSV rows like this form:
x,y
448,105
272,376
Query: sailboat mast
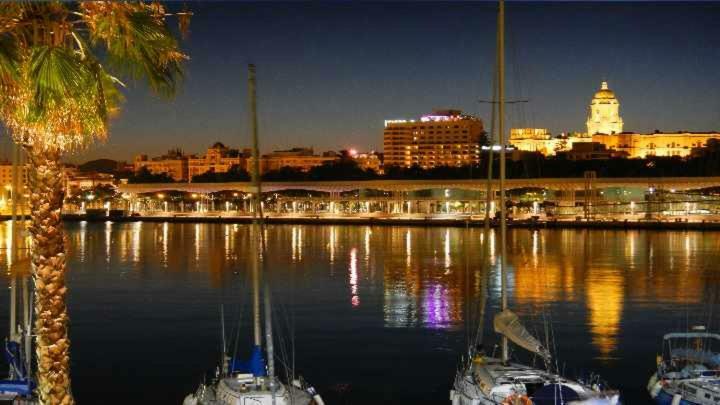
x,y
489,197
269,347
501,133
260,237
257,332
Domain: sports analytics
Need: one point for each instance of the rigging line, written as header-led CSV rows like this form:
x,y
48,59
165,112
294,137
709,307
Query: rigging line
x,y
485,269
282,343
515,113
468,317
240,312
282,337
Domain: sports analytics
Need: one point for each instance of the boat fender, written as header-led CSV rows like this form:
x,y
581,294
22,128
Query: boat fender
x,y
676,399
656,389
654,386
190,400
515,399
315,396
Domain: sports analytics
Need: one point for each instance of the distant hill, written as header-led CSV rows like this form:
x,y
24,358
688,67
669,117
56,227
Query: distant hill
x,y
99,166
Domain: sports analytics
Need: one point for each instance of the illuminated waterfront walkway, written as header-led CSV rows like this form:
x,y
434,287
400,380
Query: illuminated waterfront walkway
x,y
674,199
558,184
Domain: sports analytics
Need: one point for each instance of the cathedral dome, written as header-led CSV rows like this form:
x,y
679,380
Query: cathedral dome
x,y
604,93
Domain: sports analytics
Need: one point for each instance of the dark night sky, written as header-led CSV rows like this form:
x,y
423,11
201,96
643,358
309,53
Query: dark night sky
x,y
330,73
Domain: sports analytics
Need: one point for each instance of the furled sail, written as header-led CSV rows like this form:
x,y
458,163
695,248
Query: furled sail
x,y
508,324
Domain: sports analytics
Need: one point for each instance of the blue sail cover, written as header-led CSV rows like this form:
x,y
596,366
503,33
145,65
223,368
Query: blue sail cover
x,y
13,356
554,394
254,365
20,385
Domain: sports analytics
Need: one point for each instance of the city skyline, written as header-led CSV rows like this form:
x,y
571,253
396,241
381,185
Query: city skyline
x,y
386,61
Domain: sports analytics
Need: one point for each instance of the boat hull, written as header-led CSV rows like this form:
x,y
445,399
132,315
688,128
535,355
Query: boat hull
x,y
490,381
665,398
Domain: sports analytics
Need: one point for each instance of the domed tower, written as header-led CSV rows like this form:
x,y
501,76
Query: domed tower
x,y
604,113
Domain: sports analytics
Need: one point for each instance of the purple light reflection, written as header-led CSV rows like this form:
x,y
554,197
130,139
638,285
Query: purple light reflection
x,y
436,310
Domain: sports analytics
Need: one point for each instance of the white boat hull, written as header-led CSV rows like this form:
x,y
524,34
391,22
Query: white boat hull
x,y
488,381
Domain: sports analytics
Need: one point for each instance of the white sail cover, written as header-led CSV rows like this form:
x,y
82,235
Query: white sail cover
x,y
508,324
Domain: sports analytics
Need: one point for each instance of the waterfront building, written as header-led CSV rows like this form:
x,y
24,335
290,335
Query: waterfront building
x,y
75,180
443,138
218,159
535,140
174,164
604,113
540,140
656,144
302,159
368,161
6,174
591,151
6,192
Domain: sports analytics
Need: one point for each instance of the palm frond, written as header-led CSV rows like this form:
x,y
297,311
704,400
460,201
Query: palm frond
x,y
60,61
56,74
138,43
9,61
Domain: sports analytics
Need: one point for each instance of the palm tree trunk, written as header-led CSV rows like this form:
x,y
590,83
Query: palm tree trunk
x,y
48,258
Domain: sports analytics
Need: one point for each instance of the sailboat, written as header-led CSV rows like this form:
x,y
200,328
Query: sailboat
x,y
687,371
489,380
254,381
19,386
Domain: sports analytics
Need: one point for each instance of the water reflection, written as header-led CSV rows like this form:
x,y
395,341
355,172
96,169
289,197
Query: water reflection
x,y
431,277
605,295
353,278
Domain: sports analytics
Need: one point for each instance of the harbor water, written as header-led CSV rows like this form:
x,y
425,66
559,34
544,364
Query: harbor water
x,y
370,314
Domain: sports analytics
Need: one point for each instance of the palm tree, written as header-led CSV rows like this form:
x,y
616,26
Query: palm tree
x,y
60,69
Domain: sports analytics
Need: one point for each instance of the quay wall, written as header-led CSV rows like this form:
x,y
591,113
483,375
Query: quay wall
x,y
421,222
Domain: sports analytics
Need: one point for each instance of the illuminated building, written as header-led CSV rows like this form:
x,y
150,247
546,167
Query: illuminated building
x,y
6,193
444,138
535,140
540,140
604,113
657,143
174,164
302,159
368,161
218,159
590,151
605,126
6,174
75,180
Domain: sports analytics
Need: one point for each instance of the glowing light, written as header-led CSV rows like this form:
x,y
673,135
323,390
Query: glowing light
x,y
161,196
353,278
605,304
397,122
332,243
108,240
446,250
408,249
165,244
436,308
